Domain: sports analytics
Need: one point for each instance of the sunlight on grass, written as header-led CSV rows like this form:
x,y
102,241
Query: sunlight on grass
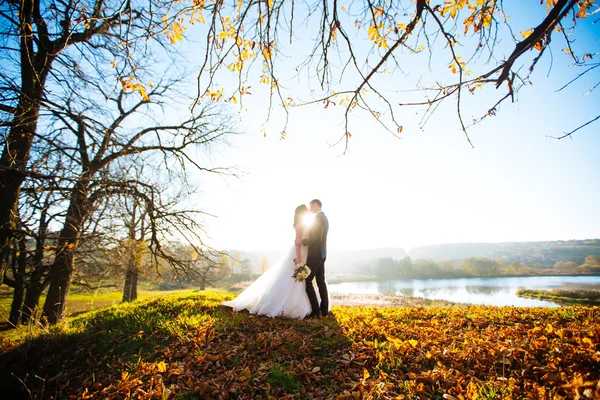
x,y
193,347
84,308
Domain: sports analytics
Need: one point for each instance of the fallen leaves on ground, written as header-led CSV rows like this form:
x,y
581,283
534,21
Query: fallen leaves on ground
x,y
190,347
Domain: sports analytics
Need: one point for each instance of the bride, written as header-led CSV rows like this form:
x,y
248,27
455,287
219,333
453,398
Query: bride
x,y
276,293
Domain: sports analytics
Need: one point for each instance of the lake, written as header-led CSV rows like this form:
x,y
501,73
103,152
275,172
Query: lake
x,y
485,291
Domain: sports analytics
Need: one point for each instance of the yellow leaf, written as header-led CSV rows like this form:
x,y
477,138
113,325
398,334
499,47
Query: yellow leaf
x,y
247,373
373,33
413,342
366,374
162,367
588,341
234,99
527,33
381,42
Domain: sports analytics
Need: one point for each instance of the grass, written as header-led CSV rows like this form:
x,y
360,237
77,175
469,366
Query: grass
x,y
281,379
564,297
190,346
82,300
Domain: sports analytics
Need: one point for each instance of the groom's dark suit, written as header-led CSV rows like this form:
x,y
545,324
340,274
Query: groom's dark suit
x,y
317,253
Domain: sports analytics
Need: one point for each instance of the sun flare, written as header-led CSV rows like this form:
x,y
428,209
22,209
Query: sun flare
x,y
308,219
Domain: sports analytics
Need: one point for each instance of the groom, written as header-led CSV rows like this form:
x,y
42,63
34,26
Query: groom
x,y
317,253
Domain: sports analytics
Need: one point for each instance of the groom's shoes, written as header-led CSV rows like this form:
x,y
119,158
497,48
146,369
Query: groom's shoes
x,y
314,315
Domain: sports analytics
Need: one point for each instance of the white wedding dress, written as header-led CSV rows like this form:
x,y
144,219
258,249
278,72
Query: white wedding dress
x,y
275,293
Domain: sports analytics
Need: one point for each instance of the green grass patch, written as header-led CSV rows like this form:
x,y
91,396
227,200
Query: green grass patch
x,y
281,379
564,297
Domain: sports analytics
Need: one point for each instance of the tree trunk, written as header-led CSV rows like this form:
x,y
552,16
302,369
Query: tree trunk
x,y
34,66
131,280
37,280
19,283
12,163
36,287
61,272
17,304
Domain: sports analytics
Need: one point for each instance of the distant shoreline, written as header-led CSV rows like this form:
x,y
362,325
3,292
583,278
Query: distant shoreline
x,y
335,280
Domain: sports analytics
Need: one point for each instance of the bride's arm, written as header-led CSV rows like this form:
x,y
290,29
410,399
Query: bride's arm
x,y
298,243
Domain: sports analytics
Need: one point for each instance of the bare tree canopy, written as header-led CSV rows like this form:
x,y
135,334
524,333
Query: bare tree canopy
x,y
358,55
44,47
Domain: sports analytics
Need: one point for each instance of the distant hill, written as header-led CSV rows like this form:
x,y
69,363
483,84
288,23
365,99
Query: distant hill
x,y
544,253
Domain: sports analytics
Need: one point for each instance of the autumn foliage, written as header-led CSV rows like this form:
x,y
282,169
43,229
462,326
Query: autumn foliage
x,y
192,347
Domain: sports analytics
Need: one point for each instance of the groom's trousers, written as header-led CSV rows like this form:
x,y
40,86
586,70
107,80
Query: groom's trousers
x,y
317,271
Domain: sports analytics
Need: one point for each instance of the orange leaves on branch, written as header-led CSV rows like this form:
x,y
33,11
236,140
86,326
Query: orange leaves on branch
x,y
454,66
373,33
452,7
381,42
229,31
268,50
130,86
482,12
265,79
584,5
375,36
527,33
215,96
175,30
538,45
479,19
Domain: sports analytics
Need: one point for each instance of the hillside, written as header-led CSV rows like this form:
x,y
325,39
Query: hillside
x,y
190,347
542,253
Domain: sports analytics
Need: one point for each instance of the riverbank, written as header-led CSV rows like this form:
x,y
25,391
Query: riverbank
x,y
563,297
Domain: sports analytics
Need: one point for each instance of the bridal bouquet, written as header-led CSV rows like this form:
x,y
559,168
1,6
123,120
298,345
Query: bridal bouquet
x,y
301,272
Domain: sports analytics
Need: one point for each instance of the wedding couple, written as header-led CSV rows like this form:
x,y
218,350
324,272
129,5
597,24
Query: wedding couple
x,y
275,293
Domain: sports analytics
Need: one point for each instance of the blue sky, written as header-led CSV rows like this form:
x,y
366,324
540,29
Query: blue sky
x,y
427,187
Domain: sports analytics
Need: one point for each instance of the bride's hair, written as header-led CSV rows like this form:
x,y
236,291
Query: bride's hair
x,y
299,213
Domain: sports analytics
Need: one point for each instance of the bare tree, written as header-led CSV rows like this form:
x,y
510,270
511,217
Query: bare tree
x,y
360,48
104,142
43,45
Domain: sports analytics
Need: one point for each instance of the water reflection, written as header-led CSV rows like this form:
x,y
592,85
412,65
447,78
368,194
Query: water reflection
x,y
487,291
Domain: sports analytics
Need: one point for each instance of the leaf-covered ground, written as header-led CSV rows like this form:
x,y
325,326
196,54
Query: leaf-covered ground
x,y
190,347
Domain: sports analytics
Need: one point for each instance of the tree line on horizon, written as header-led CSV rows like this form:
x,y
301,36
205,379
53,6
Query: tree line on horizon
x,y
474,267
